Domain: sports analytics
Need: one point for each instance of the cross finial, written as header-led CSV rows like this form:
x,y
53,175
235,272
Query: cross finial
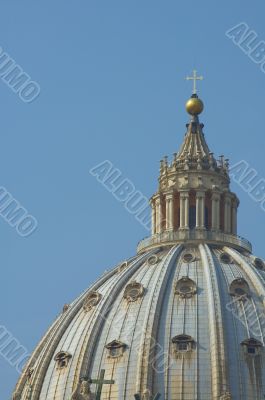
x,y
194,78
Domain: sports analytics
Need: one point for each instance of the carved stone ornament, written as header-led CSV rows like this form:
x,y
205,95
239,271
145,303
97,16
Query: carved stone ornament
x,y
259,263
183,343
133,291
65,308
116,348
123,266
92,299
152,260
252,347
239,288
226,396
83,391
186,287
16,396
147,394
62,359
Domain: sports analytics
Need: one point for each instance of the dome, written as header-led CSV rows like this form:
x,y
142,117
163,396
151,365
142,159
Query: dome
x,y
181,320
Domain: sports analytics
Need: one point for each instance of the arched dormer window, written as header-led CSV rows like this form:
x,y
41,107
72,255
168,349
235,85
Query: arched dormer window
x,y
225,258
62,359
183,343
133,291
116,348
92,299
152,260
186,287
259,263
252,347
239,288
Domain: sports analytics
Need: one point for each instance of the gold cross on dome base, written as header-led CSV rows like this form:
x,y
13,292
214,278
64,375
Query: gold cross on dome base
x,y
194,78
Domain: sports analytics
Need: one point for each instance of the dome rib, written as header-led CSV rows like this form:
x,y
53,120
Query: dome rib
x,y
145,380
218,357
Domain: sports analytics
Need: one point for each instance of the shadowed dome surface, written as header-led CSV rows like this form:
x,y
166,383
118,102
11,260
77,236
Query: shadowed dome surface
x,y
182,320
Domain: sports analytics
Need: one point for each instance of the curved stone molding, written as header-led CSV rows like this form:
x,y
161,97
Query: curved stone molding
x,y
133,291
185,287
92,299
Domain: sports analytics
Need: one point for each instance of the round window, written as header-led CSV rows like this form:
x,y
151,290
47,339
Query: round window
x,y
188,257
152,260
185,287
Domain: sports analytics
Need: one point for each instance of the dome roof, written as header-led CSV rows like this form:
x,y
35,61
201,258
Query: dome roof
x,y
182,320
175,321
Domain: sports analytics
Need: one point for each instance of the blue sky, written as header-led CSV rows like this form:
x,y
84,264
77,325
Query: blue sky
x,y
112,87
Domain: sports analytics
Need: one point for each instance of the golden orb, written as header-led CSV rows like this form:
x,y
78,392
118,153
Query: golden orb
x,y
194,106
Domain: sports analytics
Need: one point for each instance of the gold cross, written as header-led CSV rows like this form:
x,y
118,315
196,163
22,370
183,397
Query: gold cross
x,y
194,78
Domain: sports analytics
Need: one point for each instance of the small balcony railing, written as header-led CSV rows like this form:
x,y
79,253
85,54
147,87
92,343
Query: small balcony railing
x,y
196,236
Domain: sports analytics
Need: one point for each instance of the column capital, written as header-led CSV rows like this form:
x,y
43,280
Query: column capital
x,y
169,195
184,194
235,200
200,194
152,203
158,200
228,201
229,195
216,195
